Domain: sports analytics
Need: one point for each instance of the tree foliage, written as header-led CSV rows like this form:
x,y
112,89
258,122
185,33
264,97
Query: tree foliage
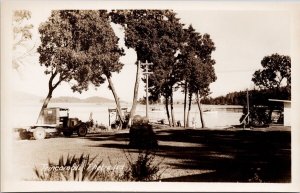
x,y
177,54
276,72
197,61
155,36
256,97
196,64
21,35
61,54
78,46
22,31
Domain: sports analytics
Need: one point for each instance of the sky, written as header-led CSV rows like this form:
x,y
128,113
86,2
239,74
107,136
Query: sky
x,y
242,39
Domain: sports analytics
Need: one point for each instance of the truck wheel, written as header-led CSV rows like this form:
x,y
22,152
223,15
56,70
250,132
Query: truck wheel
x,y
67,133
82,131
39,133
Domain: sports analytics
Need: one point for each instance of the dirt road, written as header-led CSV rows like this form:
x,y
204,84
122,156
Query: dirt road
x,y
188,154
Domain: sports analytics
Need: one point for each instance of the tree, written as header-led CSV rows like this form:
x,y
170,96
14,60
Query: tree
x,y
99,43
79,46
135,93
197,68
276,72
21,35
154,35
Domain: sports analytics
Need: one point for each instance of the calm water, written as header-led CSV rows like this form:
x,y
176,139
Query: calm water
x,y
215,116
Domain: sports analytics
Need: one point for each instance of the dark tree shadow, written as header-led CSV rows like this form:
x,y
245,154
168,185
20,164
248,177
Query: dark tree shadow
x,y
233,156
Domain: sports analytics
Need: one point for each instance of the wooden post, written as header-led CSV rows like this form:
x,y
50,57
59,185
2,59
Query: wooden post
x,y
108,117
147,99
248,106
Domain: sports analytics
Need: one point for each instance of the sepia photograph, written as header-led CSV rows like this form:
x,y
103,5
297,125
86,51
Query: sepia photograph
x,y
99,95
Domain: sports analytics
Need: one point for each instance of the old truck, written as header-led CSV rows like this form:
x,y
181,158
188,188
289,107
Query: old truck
x,y
56,120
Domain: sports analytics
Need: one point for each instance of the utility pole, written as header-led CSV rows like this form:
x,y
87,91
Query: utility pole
x,y
248,106
146,72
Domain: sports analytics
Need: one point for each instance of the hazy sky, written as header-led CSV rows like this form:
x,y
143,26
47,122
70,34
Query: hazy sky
x,y
242,39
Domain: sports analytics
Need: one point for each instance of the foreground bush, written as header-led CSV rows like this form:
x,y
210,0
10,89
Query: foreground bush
x,y
85,168
144,168
82,168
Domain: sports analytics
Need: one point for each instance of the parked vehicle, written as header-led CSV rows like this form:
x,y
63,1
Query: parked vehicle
x,y
56,120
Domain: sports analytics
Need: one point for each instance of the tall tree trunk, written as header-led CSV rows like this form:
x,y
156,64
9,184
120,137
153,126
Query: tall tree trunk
x,y
184,106
200,110
172,111
135,94
189,110
117,100
167,110
51,88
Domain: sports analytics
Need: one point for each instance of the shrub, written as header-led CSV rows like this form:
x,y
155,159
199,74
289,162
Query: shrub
x,y
74,168
85,168
144,168
256,175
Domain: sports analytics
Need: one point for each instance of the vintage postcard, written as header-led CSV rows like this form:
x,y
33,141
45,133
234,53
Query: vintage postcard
x,y
141,95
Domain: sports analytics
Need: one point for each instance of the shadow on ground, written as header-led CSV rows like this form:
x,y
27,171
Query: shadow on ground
x,y
233,156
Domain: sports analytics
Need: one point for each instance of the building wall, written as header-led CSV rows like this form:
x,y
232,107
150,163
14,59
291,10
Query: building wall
x,y
287,114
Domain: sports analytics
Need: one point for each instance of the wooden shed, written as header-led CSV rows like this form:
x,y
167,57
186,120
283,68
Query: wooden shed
x,y
286,111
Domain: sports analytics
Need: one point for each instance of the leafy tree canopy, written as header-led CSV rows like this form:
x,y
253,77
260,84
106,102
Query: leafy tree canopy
x,y
155,35
21,35
276,72
79,45
197,61
20,28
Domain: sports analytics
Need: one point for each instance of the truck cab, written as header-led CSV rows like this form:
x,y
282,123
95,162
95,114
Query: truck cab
x,y
55,120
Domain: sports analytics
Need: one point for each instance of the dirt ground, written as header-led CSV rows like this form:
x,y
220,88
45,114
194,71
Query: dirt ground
x,y
193,155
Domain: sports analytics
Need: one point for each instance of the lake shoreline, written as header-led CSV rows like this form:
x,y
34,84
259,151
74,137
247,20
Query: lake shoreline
x,y
214,115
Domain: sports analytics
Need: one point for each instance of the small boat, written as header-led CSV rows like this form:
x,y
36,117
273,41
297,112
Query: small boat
x,y
156,109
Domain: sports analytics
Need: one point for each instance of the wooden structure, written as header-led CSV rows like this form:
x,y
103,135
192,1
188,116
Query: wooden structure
x,y
114,111
286,111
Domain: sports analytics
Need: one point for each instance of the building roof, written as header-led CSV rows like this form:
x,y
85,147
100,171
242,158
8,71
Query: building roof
x,y
278,100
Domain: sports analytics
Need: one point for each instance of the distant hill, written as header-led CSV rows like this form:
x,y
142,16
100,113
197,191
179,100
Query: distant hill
x,y
25,97
65,99
94,99
29,98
